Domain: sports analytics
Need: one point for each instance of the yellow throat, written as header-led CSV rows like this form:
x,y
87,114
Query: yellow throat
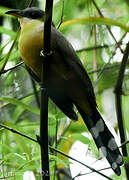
x,y
31,43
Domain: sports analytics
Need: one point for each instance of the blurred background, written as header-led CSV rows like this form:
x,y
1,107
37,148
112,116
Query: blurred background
x,y
100,44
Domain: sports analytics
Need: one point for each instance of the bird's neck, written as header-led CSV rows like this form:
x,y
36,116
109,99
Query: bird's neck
x,y
31,43
26,23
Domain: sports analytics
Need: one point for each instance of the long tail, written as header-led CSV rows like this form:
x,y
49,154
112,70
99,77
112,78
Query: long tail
x,y
104,140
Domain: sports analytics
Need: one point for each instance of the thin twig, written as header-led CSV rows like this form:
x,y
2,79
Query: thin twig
x,y
124,143
56,141
94,47
35,92
12,68
10,50
95,57
62,17
6,177
118,93
119,83
103,68
17,132
82,174
106,68
30,3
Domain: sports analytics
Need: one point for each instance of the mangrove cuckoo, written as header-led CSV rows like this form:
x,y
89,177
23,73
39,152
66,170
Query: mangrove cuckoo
x,y
67,83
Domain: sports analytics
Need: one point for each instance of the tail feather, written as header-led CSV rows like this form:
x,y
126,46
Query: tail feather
x,y
104,139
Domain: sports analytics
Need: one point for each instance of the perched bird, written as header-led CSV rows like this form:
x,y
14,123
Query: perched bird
x,y
67,81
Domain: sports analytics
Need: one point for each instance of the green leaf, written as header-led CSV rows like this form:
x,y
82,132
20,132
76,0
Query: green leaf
x,y
60,115
4,45
77,127
3,62
9,32
28,167
81,138
5,59
18,110
3,10
59,161
21,104
126,160
5,147
95,20
14,55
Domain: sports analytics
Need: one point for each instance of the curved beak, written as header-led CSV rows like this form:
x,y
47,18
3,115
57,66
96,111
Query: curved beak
x,y
15,12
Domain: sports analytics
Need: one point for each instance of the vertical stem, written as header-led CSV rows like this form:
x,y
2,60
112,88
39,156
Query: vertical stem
x,y
44,96
118,92
35,92
56,147
44,134
30,3
95,57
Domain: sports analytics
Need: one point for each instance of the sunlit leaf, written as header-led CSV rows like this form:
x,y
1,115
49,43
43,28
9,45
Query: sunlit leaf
x,y
126,160
81,138
21,104
95,20
9,32
3,9
59,160
6,58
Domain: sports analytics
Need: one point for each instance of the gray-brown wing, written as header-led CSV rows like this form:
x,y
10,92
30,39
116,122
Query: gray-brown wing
x,y
71,59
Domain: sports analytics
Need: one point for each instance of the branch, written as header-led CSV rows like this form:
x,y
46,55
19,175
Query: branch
x,y
30,3
106,68
95,58
94,47
10,50
43,139
35,92
118,93
119,83
80,174
12,68
61,20
124,143
17,132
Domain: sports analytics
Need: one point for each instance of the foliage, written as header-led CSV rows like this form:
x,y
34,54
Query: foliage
x,y
83,26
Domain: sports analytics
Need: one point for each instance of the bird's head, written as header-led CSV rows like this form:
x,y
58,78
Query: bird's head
x,y
31,13
27,15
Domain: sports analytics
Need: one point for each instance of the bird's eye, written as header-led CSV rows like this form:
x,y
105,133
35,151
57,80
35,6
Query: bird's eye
x,y
33,14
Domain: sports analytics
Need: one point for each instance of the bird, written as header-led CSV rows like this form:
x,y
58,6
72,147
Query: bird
x,y
67,83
